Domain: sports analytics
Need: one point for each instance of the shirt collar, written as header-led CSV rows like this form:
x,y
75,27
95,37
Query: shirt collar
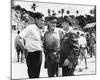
x,y
70,28
36,27
55,30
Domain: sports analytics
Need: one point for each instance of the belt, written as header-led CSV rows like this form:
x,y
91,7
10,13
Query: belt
x,y
75,49
83,47
34,52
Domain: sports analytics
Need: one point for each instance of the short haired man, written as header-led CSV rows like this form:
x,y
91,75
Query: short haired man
x,y
51,47
33,45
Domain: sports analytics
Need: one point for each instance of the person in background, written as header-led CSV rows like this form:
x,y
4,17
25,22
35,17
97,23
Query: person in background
x,y
33,44
52,39
83,50
88,42
23,22
18,14
19,48
69,50
21,18
92,41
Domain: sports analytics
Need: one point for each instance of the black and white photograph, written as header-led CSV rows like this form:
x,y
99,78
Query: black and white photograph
x,y
50,40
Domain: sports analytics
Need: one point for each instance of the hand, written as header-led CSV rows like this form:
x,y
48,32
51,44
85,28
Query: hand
x,y
66,62
59,72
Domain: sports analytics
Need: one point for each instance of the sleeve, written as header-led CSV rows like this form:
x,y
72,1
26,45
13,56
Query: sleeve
x,y
24,33
44,43
61,34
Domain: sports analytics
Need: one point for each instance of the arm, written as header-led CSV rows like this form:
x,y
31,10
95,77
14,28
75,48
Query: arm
x,y
44,44
23,35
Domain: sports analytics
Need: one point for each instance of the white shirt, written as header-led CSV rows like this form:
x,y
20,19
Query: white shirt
x,y
82,41
32,37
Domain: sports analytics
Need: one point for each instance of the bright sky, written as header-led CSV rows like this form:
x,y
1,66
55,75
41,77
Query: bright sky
x,y
43,7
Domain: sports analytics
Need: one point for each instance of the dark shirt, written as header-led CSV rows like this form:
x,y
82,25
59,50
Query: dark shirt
x,y
52,40
69,45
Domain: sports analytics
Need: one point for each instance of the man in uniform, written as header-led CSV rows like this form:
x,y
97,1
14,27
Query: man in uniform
x,y
51,47
69,50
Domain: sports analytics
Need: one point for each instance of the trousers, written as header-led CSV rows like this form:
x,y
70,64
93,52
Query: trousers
x,y
52,61
33,61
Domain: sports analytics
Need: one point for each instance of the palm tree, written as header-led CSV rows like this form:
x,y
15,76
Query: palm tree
x,y
68,12
77,12
33,7
49,12
93,11
62,11
59,11
53,13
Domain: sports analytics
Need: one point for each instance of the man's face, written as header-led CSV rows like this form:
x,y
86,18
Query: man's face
x,y
52,24
65,26
40,22
18,14
26,16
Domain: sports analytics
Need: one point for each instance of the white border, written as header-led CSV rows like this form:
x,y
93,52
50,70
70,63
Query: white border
x,y
5,39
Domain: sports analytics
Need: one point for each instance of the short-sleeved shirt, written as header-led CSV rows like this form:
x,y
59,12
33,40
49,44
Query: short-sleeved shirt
x,y
52,39
32,37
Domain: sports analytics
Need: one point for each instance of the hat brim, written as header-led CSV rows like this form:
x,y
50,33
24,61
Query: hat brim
x,y
53,21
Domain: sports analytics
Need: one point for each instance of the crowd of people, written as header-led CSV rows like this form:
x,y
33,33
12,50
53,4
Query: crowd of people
x,y
63,48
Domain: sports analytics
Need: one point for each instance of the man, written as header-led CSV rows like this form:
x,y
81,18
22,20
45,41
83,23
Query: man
x,y
51,47
33,44
92,42
88,42
19,48
18,16
83,49
69,50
